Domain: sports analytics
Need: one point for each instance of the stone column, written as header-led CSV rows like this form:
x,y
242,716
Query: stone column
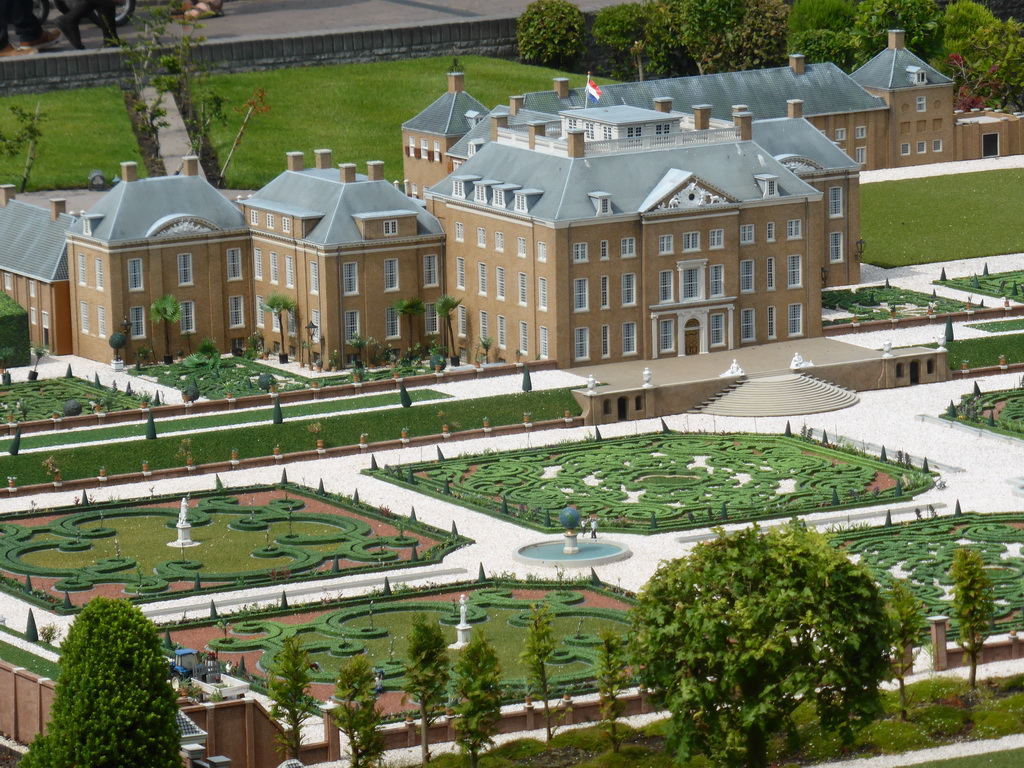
x,y
939,627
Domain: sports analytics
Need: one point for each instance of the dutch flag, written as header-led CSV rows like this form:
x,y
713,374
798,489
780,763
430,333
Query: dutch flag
x,y
593,91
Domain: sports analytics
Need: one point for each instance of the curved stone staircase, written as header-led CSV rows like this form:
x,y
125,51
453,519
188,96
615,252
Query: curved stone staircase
x,y
778,393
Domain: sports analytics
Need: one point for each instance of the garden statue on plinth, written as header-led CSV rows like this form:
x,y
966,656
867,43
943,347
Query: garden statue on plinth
x,y
184,528
463,627
570,519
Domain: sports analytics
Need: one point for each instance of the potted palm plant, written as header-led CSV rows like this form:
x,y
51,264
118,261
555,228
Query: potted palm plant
x,y
40,353
280,305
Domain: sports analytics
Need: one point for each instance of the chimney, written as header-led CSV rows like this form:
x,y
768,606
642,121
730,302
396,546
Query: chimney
x,y
375,170
737,108
796,63
348,172
701,117
498,122
296,161
536,129
407,188
663,104
561,87
190,165
58,205
6,194
323,158
456,82
515,104
745,121
794,108
897,39
129,171
575,144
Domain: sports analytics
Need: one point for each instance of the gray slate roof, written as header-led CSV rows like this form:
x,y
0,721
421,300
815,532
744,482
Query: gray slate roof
x,y
446,116
824,88
630,178
31,244
888,71
187,729
131,209
786,137
339,204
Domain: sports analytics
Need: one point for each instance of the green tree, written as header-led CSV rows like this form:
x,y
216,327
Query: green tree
x,y
551,33
613,678
427,670
165,310
477,677
823,45
732,638
537,652
906,617
626,30
919,19
809,15
113,705
961,21
287,686
990,71
280,305
972,606
728,35
411,309
358,717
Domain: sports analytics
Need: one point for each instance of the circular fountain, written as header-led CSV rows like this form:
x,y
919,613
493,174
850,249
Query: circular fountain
x,y
571,552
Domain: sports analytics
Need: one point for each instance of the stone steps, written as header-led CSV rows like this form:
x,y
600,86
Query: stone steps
x,y
778,394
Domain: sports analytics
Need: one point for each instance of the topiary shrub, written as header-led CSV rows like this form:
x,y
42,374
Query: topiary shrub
x,y
264,381
13,333
551,33
191,393
72,408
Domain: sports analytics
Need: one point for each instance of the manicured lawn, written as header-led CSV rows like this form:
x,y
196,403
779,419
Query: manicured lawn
x,y
999,326
1011,759
978,353
29,661
919,221
291,436
358,110
86,129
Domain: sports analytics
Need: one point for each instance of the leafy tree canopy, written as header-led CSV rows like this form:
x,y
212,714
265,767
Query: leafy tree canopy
x,y
961,20
113,704
733,637
728,35
551,33
919,19
807,15
823,45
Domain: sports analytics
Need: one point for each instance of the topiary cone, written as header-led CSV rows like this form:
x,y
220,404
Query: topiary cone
x,y
15,442
31,633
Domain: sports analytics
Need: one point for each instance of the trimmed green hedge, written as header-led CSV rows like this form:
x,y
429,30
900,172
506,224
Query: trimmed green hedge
x,y
14,331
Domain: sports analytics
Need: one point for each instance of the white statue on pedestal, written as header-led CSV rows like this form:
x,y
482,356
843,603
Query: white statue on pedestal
x,y
734,370
887,349
647,378
183,515
463,627
184,528
591,383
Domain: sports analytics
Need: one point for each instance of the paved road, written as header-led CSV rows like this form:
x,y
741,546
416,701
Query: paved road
x,y
268,18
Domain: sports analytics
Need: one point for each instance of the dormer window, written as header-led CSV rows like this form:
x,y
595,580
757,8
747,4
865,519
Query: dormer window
x,y
87,227
498,198
390,227
602,202
917,75
521,206
474,146
472,117
459,188
769,185
480,194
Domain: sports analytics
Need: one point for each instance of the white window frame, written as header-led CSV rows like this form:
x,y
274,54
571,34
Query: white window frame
x,y
350,278
627,248
542,294
860,132
188,317
351,320
666,245
83,316
236,311
521,247
604,292
769,270
542,251
795,319
289,270
544,345
629,289
481,237
314,277
82,276
392,326
747,276
691,242
666,334
460,273
273,268
748,325
581,294
794,271
499,283
98,268
522,289
666,286
524,337
716,329
499,242
137,318
835,202
502,332
922,103
795,229
717,280
771,323
481,278
835,247
716,239
769,232
581,343
390,227
628,338
580,253
746,234
460,232
136,276
391,275
186,276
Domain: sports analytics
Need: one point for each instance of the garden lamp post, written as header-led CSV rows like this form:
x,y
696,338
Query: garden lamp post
x,y
860,248
126,326
311,330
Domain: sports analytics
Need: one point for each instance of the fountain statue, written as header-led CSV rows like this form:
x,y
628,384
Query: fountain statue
x,y
569,518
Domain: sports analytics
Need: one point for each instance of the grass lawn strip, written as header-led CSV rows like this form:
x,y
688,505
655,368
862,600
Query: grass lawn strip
x,y
982,352
665,481
1000,326
185,425
259,440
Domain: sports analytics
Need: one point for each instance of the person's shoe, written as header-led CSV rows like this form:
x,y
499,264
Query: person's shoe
x,y
49,39
70,32
17,50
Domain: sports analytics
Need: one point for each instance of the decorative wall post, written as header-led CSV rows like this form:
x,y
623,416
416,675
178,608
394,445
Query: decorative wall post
x,y
939,627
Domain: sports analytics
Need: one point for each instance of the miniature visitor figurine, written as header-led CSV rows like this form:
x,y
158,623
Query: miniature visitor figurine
x,y
593,526
378,687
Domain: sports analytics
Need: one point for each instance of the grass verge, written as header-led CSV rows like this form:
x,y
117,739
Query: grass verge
x,y
29,661
84,130
938,226
119,458
983,352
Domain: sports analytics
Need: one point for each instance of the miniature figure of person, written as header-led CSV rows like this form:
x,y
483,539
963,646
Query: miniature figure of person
x,y
593,526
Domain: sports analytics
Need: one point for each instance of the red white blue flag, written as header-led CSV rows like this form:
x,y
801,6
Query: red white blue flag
x,y
593,91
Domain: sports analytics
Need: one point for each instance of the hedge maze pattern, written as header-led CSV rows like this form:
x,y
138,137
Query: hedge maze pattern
x,y
30,400
865,303
378,627
663,481
999,284
922,552
999,410
242,544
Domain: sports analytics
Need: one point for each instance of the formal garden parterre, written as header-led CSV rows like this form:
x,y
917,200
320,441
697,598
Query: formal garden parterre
x,y
1000,411
666,481
247,537
31,400
883,302
997,284
377,625
921,551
